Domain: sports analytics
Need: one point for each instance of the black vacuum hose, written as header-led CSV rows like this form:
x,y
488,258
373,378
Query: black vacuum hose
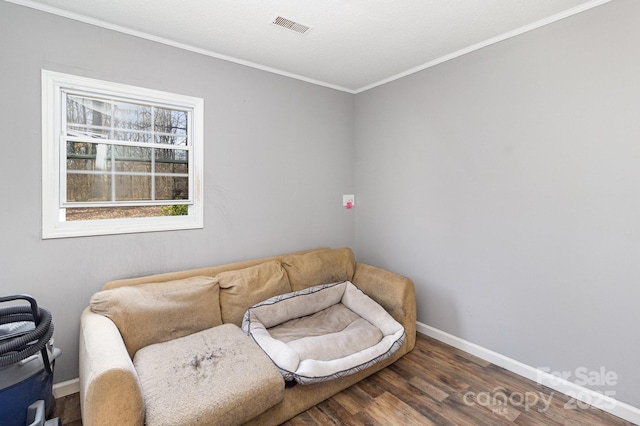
x,y
34,341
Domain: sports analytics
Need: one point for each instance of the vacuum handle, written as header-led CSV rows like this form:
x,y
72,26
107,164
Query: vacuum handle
x,y
34,305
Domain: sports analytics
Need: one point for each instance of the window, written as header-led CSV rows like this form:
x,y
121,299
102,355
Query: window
x,y
118,159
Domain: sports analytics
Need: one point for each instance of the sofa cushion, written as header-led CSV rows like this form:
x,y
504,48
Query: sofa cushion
x,y
319,267
323,332
215,377
245,287
157,312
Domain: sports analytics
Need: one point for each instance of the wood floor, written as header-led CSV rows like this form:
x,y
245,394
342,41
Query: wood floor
x,y
434,384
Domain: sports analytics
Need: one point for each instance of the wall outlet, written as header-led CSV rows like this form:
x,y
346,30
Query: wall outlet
x,y
348,198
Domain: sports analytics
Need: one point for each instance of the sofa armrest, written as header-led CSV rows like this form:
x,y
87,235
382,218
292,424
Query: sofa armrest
x,y
393,292
109,386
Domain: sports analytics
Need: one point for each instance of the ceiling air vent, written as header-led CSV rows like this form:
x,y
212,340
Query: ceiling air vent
x,y
290,25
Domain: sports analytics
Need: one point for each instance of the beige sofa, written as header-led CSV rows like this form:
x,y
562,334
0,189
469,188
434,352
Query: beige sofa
x,y
130,318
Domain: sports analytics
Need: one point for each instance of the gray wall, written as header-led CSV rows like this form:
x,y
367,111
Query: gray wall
x,y
278,157
506,183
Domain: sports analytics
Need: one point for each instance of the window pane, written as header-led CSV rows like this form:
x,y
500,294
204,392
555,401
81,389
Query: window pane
x,y
133,188
171,126
172,160
132,116
88,117
172,188
133,159
88,156
82,188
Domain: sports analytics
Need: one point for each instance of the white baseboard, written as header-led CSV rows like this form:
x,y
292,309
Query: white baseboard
x,y
66,388
580,393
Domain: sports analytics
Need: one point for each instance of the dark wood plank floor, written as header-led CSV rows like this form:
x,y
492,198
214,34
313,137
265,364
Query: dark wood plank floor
x,y
67,409
434,384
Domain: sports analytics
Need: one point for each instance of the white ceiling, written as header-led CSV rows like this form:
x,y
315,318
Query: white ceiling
x,y
353,45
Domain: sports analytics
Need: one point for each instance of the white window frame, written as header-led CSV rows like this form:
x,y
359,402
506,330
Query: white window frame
x,y
53,160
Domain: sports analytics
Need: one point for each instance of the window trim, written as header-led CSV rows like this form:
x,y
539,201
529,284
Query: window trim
x,y
52,226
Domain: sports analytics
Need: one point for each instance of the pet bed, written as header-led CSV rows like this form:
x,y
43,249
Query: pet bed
x,y
323,332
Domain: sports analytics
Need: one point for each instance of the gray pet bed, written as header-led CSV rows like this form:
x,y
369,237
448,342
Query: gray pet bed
x,y
323,332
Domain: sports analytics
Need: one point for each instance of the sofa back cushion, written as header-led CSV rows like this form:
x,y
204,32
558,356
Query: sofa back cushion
x,y
159,312
319,267
245,287
208,271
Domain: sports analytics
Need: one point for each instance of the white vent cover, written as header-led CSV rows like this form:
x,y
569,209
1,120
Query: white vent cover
x,y
290,25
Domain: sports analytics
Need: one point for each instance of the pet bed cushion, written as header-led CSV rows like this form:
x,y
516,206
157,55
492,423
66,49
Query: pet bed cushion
x,y
323,332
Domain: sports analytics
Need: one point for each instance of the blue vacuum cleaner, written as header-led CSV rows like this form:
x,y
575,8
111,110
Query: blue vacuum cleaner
x,y
27,360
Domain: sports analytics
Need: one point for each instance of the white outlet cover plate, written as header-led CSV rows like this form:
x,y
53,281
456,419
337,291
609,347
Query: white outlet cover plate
x,y
347,198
